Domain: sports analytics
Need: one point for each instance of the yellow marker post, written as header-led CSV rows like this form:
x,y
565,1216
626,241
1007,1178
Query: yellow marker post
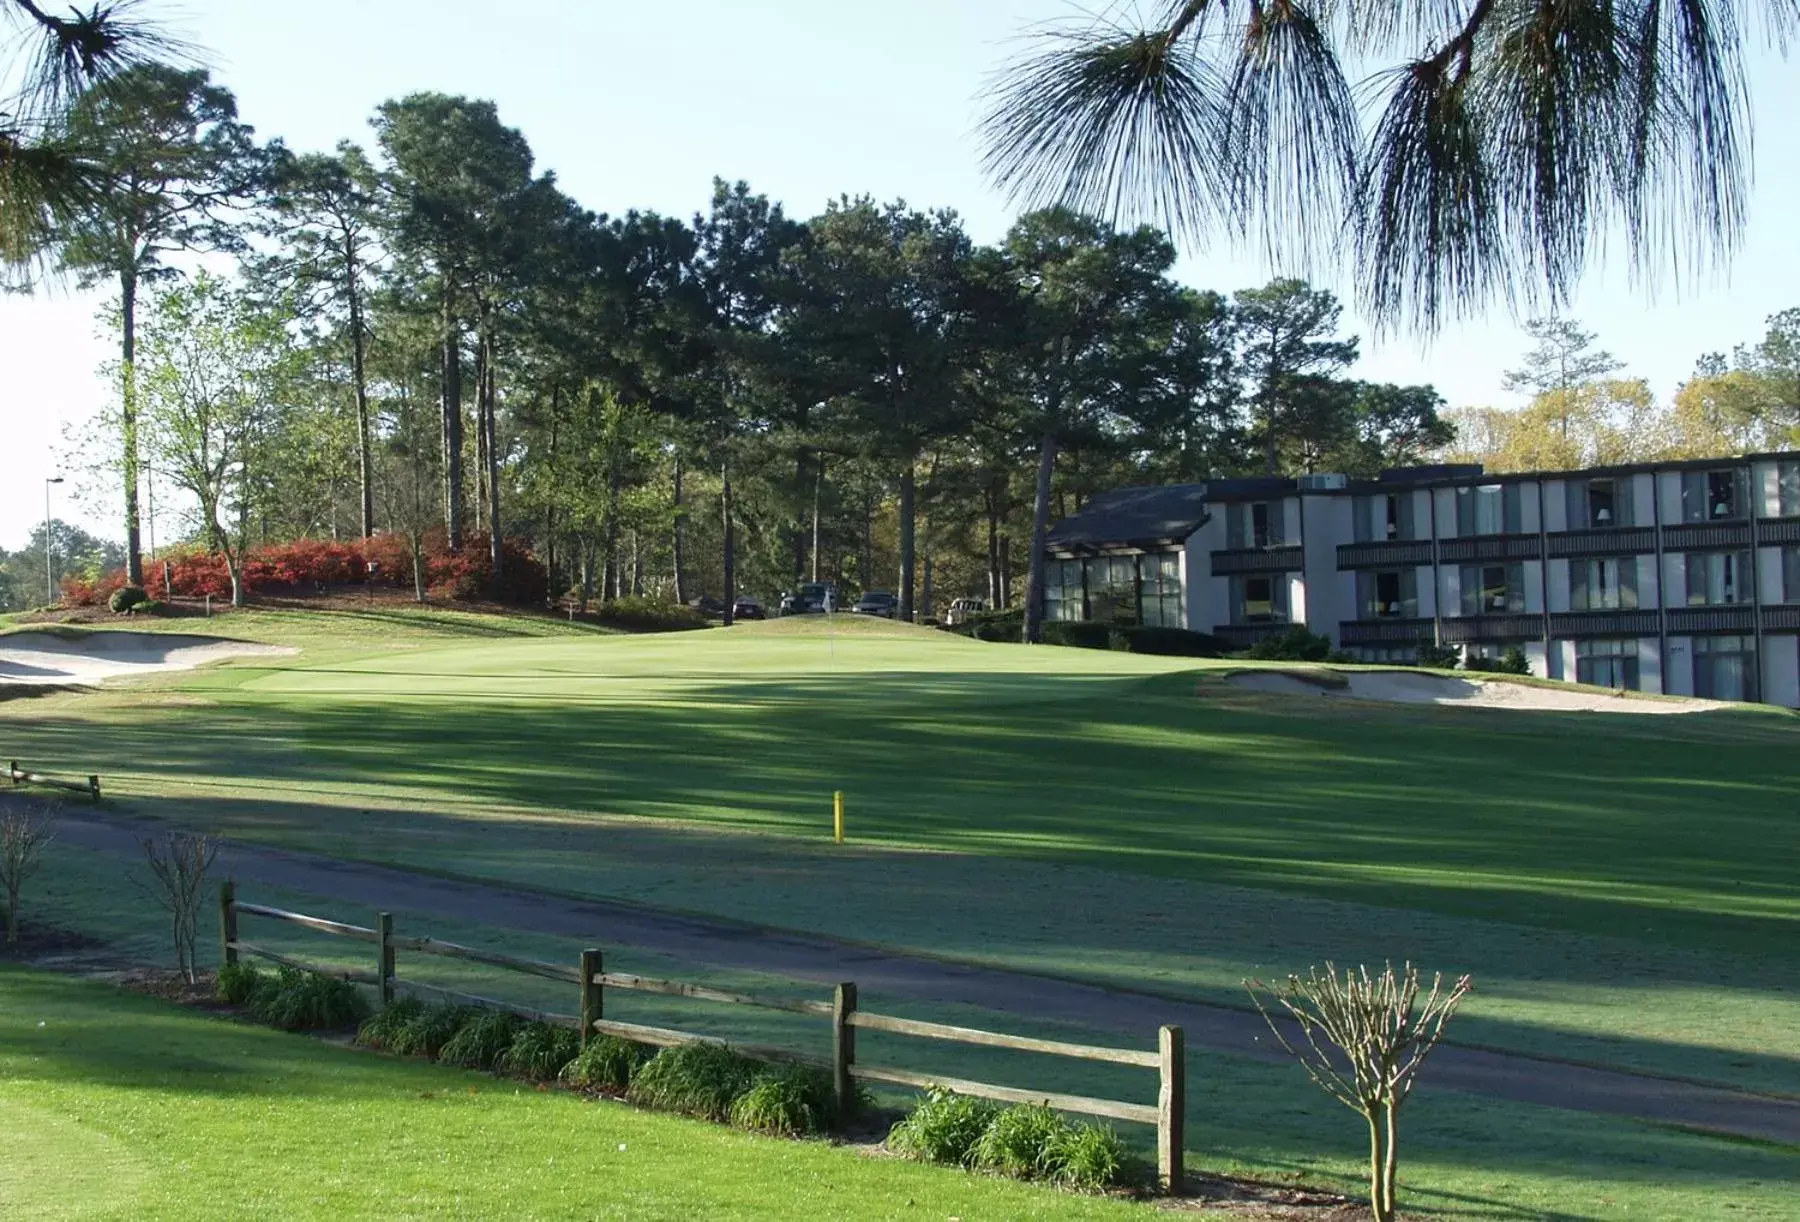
x,y
837,816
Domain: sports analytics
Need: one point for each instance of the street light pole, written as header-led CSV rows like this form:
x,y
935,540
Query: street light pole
x,y
49,573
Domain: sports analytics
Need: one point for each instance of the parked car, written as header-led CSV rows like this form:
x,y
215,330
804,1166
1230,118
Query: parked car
x,y
706,604
877,602
962,610
747,608
812,598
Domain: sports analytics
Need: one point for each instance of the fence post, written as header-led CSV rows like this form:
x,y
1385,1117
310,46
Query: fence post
x,y
384,955
227,922
593,1001
1171,1109
843,1050
94,787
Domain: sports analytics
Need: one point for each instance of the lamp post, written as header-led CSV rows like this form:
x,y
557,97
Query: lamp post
x,y
49,574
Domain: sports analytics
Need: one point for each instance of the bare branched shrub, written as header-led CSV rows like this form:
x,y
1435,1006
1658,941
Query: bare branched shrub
x,y
25,828
178,864
1365,1039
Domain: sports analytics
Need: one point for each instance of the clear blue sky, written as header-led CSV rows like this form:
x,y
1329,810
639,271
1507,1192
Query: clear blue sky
x,y
638,104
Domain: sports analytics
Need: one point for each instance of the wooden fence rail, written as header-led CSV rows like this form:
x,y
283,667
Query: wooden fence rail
x,y
24,776
592,980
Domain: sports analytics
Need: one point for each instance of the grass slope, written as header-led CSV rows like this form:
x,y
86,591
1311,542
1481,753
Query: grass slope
x,y
116,1106
1620,886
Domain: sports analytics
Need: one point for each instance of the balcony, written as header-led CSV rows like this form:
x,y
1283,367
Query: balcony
x,y
1277,559
1601,541
1778,530
1702,536
1384,632
1781,619
1740,618
1587,624
1243,636
1491,547
1383,554
1495,628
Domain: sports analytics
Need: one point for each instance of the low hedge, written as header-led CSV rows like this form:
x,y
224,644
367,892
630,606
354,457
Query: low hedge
x,y
1167,642
648,615
1079,634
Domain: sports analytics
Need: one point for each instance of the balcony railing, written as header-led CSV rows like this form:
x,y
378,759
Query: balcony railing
x,y
1384,632
1491,547
1278,559
1781,619
1243,636
1712,619
1580,624
1383,553
1463,629
1778,530
1699,536
1601,541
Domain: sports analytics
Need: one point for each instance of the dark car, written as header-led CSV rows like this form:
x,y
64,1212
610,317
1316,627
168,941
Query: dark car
x,y
877,602
747,608
813,598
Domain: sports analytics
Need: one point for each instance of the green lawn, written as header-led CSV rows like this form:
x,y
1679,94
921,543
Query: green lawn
x,y
1625,889
1463,1157
116,1106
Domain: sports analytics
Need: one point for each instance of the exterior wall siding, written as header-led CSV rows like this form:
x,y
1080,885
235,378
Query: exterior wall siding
x,y
1781,670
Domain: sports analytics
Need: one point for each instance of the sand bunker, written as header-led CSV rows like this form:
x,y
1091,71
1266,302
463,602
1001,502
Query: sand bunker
x,y
1400,688
91,657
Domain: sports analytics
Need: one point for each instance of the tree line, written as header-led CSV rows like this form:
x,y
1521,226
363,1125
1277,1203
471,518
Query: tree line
x,y
430,338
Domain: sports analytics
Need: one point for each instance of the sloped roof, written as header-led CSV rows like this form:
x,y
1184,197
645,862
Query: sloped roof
x,y
1133,517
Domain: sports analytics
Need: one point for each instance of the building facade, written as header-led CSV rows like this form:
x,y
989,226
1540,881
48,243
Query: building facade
x,y
1680,577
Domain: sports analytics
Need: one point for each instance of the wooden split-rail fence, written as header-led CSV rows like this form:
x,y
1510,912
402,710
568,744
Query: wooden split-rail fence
x,y
846,1018
24,776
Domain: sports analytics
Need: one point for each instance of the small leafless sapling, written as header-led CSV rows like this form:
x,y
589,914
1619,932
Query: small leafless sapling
x,y
1364,1039
25,828
178,863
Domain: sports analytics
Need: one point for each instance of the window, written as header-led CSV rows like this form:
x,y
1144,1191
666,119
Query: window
x,y
1713,496
1388,594
1385,517
1259,599
1496,509
1112,589
1253,525
1493,589
1062,590
1716,579
1607,663
1790,574
1787,495
1599,502
1159,589
1603,585
1725,667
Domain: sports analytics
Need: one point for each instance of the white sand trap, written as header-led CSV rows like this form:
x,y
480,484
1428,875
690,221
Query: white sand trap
x,y
91,657
1399,688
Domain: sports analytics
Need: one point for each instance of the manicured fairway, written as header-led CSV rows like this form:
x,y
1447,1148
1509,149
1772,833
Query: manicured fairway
x,y
1625,889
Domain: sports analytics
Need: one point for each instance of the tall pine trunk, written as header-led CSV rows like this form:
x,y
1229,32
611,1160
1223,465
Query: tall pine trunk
x,y
491,446
365,461
453,421
818,493
1040,530
680,522
730,542
128,424
993,553
908,538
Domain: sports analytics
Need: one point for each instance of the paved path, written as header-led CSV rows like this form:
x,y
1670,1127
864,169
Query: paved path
x,y
824,960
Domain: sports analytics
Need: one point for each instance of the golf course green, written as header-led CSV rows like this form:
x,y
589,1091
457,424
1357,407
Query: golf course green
x,y
1624,889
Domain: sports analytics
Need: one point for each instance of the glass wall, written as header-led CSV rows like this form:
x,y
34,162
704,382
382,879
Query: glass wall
x,y
1387,593
1603,585
1254,525
1790,574
1493,589
1717,579
1725,667
1260,598
1599,502
1383,517
1133,589
1607,663
1495,509
1715,496
1787,497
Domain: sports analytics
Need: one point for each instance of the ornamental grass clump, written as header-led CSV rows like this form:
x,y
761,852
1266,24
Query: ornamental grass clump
x,y
482,1040
1020,1141
944,1128
696,1079
294,1000
380,1028
607,1063
539,1051
789,1101
426,1033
